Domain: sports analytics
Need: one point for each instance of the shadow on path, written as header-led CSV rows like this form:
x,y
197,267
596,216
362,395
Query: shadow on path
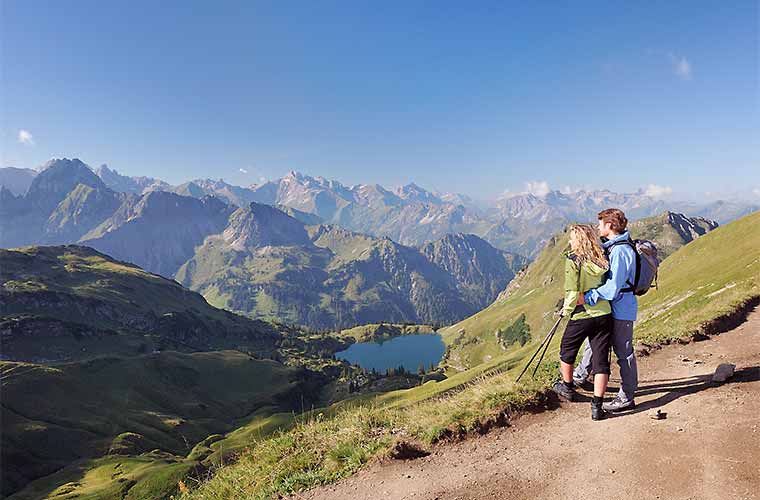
x,y
671,390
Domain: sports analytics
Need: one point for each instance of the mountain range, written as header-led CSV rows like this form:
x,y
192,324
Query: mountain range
x,y
411,215
274,262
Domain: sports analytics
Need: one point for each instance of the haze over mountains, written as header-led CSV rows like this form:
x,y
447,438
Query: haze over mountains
x,y
410,215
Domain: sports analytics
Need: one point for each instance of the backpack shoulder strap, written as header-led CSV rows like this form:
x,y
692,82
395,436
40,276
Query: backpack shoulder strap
x,y
629,242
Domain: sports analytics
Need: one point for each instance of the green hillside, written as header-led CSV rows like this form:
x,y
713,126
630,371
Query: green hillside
x,y
282,453
710,277
269,265
91,368
72,302
377,331
53,416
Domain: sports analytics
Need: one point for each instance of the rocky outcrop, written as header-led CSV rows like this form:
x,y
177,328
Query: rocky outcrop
x,y
480,270
670,230
159,231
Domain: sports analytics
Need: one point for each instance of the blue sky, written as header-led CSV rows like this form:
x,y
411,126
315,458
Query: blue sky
x,y
472,97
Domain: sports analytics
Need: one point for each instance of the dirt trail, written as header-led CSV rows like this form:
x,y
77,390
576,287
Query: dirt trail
x,y
708,446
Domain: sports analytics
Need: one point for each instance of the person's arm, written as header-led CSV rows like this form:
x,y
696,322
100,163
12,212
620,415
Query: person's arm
x,y
619,263
572,291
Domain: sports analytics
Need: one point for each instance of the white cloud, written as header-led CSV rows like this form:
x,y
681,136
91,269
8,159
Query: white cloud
x,y
681,66
243,171
537,188
756,192
656,191
25,137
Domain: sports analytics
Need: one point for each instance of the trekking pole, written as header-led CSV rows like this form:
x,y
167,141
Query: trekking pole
x,y
544,345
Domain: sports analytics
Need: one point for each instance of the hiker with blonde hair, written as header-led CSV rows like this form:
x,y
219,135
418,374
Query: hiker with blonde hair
x,y
620,290
585,269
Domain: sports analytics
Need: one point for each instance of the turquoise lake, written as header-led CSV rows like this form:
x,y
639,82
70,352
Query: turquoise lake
x,y
409,351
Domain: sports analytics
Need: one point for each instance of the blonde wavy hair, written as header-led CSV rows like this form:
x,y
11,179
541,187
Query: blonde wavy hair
x,y
584,243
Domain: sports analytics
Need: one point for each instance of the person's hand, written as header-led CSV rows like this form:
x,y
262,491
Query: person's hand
x,y
581,299
559,314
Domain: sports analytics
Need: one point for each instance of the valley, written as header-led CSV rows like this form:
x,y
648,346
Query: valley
x,y
187,339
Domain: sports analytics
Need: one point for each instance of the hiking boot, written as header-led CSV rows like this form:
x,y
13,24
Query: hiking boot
x,y
597,412
618,404
564,392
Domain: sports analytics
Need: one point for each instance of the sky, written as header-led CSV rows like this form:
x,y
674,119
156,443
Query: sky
x,y
471,97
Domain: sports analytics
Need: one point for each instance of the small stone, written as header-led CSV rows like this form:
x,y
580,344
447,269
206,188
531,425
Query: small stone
x,y
679,429
612,471
658,415
723,372
685,360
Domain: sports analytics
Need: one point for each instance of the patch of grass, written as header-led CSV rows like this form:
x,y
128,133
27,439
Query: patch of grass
x,y
53,416
143,477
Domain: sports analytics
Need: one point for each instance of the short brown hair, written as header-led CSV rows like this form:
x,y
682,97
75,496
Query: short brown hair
x,y
615,217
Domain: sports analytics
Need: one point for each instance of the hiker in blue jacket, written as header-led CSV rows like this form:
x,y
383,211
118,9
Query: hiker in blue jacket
x,y
618,289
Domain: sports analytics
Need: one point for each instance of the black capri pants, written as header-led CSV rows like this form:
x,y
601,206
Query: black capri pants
x,y
599,333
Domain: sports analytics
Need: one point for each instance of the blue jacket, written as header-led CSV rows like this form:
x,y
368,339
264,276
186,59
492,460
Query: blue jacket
x,y
622,270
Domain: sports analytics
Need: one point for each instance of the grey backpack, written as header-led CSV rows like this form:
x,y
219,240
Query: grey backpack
x,y
647,265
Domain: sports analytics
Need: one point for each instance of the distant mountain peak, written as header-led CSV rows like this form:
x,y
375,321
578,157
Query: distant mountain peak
x,y
413,192
258,225
296,175
60,176
60,163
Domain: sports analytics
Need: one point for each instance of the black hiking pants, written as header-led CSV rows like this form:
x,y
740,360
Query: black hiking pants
x,y
598,331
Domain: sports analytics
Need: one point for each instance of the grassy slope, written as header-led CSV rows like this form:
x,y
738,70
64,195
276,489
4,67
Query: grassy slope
x,y
705,279
85,273
85,290
67,414
325,445
173,400
722,269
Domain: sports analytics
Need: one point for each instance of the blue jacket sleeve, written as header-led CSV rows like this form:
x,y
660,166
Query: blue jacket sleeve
x,y
620,262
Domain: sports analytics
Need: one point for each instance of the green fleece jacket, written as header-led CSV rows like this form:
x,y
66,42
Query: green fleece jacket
x,y
580,279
